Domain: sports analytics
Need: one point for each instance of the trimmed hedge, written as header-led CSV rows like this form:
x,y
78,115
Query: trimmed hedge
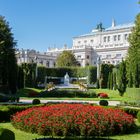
x,y
36,101
7,111
68,93
6,134
103,102
133,93
131,111
72,71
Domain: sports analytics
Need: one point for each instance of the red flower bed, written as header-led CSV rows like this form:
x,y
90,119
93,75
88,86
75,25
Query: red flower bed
x,y
73,119
103,95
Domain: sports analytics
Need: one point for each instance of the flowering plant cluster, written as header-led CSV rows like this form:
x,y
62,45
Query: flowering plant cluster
x,y
103,95
82,87
50,86
32,94
73,120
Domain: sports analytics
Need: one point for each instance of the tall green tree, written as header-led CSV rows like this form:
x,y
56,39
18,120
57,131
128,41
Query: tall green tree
x,y
66,59
105,70
133,59
8,64
122,80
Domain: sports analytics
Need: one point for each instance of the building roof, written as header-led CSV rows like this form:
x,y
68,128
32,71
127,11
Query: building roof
x,y
117,27
121,26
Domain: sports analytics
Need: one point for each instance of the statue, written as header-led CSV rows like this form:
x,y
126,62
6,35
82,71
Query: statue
x,y
66,79
100,26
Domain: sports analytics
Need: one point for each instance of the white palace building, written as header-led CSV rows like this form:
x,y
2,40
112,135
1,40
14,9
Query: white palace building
x,y
110,45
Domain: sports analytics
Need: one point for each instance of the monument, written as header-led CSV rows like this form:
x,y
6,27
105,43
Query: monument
x,y
66,79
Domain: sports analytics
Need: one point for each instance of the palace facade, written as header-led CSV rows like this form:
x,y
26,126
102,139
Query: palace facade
x,y
110,45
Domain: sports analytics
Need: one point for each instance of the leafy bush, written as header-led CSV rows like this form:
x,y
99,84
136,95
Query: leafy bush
x,y
131,111
4,113
35,101
73,120
103,102
138,116
4,98
6,134
68,93
8,110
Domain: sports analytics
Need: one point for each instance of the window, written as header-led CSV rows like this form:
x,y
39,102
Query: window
x,y
79,56
47,64
41,62
108,38
115,37
125,36
118,55
87,56
79,42
104,39
85,41
108,56
119,37
91,41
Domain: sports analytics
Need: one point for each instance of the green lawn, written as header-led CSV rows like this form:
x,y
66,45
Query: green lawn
x,y
20,135
113,95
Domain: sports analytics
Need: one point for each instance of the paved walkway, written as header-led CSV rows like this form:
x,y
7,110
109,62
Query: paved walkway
x,y
111,103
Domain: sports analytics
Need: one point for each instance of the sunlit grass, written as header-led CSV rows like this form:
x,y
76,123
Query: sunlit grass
x,y
21,135
113,95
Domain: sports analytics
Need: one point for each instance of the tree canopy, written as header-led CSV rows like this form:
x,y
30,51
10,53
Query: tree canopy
x,y
66,59
133,59
8,65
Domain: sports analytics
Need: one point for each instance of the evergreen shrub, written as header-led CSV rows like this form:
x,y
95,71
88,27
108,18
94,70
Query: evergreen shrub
x,y
103,102
35,101
6,134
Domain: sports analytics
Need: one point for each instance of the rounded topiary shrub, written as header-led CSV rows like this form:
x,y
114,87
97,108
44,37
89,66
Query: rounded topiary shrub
x,y
6,134
138,116
35,101
73,120
103,102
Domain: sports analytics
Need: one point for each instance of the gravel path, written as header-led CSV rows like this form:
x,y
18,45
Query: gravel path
x,y
111,103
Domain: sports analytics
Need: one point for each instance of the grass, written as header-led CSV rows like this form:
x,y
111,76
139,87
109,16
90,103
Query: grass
x,y
113,95
21,135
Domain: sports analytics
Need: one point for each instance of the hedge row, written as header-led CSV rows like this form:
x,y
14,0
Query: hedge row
x,y
68,93
72,71
6,111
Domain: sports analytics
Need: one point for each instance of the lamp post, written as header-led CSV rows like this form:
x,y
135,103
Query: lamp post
x,y
98,67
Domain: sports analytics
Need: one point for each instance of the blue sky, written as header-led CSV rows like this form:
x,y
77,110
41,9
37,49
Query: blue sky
x,y
39,24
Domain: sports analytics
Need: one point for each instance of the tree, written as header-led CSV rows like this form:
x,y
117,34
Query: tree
x,y
133,59
8,64
66,59
105,70
122,80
